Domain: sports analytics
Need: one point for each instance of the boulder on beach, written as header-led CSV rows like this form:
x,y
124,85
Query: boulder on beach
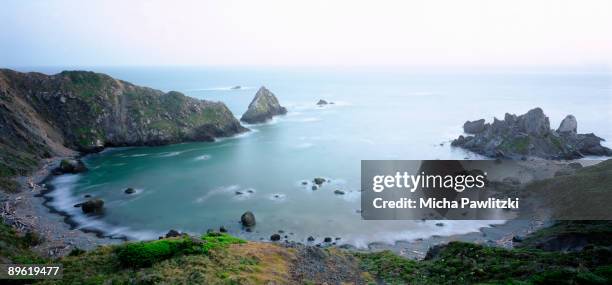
x,y
71,166
93,206
275,237
530,135
322,102
248,219
264,106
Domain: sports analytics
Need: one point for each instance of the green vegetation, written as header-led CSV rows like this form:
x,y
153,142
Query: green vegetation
x,y
145,254
218,258
466,263
518,145
17,248
219,240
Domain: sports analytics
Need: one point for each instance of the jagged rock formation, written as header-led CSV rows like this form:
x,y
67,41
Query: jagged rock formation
x,y
530,134
47,115
263,107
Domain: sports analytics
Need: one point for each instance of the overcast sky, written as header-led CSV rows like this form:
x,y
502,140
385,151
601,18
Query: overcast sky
x,y
286,33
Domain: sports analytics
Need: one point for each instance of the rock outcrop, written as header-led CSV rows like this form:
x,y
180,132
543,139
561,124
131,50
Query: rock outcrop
x,y
77,111
474,127
528,135
568,125
263,107
322,102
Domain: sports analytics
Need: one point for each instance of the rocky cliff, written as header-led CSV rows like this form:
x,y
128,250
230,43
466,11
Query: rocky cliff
x,y
530,135
47,115
263,107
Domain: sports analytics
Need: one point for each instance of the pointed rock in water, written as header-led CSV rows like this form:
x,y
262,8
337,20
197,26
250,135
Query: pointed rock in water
x,y
321,102
568,125
263,107
248,219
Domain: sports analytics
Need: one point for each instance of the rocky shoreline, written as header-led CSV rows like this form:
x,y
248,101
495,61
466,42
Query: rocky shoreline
x,y
27,212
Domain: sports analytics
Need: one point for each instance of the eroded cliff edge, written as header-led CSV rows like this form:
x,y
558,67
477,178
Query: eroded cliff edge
x,y
49,115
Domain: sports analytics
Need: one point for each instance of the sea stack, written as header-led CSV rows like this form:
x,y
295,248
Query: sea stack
x,y
263,107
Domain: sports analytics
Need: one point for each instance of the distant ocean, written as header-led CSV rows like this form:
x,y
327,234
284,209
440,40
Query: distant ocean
x,y
378,114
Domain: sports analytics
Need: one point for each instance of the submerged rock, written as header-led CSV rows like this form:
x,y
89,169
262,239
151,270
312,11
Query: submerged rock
x,y
339,192
530,135
237,87
263,107
248,219
93,206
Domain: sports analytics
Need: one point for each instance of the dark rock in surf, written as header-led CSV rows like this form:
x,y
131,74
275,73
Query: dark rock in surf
x,y
318,181
339,192
248,219
322,102
129,191
173,233
264,106
275,237
93,206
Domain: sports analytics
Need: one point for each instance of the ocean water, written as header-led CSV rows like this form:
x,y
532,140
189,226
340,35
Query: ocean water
x,y
378,114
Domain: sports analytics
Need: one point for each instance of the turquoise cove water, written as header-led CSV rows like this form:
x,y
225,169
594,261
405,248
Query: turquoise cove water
x,y
378,114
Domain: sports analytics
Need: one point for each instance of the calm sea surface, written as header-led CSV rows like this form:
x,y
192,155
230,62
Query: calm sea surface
x,y
377,115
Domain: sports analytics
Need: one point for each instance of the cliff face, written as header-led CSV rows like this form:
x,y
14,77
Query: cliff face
x,y
42,116
263,107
